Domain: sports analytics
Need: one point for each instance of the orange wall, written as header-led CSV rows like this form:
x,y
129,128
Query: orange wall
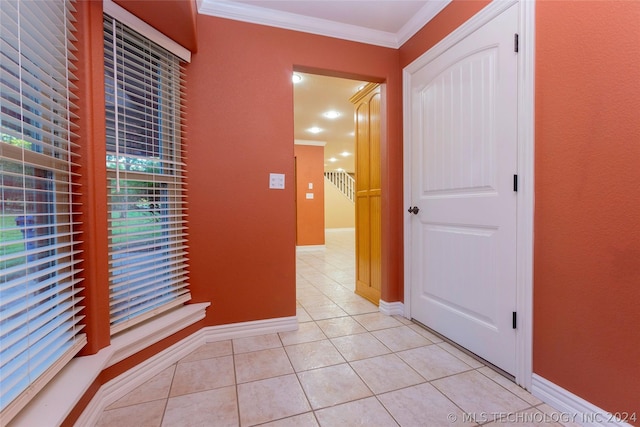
x,y
587,217
240,128
93,176
309,212
450,18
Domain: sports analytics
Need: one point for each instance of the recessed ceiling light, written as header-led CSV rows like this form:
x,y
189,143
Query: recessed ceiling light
x,y
345,154
331,114
314,129
361,87
333,159
352,133
339,170
296,78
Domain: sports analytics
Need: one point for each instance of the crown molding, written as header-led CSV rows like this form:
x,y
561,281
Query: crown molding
x,y
419,20
323,27
309,142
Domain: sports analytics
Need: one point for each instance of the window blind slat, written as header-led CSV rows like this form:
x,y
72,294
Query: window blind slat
x,y
133,310
18,396
29,302
13,287
163,290
131,284
33,255
54,344
17,289
35,159
177,250
59,306
148,313
121,250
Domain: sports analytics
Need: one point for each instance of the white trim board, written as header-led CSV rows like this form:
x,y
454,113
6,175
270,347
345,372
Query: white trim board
x,y
310,248
309,142
139,374
391,308
524,260
572,408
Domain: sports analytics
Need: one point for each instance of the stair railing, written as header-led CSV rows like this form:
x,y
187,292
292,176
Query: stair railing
x,y
344,182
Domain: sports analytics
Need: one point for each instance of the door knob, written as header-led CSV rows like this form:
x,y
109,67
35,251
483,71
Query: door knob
x,y
414,210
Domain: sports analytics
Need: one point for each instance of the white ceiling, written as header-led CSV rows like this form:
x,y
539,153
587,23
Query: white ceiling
x,y
387,23
384,23
312,97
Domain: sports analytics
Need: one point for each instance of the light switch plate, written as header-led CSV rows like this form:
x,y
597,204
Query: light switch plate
x,y
309,195
276,181
311,186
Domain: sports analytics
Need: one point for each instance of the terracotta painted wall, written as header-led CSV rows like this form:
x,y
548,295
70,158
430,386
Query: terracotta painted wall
x,y
309,212
93,174
240,128
587,217
174,18
450,18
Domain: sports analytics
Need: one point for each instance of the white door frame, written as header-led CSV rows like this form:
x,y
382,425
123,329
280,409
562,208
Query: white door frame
x,y
525,196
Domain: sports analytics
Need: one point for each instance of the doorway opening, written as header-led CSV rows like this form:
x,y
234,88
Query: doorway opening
x,y
337,124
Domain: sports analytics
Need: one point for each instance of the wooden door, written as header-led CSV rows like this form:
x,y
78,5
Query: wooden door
x,y
368,193
464,157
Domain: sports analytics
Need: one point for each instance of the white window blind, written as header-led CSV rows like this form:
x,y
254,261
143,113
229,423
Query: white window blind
x,y
146,190
40,293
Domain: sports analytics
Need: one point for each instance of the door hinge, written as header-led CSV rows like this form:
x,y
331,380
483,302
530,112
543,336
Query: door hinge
x,y
514,320
516,43
515,183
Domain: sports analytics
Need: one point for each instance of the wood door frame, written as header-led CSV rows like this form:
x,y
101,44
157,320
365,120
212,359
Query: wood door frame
x,y
525,196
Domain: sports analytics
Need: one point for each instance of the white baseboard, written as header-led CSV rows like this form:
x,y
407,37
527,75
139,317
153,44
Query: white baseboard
x,y
249,329
309,248
143,372
391,308
572,408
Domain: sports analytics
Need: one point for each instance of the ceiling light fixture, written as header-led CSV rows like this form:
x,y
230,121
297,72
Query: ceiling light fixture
x,y
339,170
333,159
314,129
296,78
331,114
345,154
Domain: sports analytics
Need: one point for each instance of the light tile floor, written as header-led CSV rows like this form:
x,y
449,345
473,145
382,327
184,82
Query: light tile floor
x,y
346,365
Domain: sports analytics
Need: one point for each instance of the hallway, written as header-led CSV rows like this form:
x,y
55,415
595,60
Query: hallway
x,y
346,365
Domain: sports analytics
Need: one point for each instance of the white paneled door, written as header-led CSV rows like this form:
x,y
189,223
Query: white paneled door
x,y
463,137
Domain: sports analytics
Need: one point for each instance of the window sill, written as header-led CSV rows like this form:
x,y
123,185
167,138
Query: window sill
x,y
54,403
